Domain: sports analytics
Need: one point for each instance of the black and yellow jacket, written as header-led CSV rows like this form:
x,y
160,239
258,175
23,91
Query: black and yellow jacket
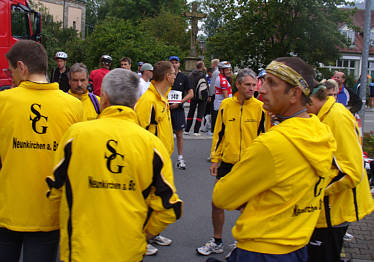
x,y
153,114
348,196
237,125
33,117
91,105
115,181
279,181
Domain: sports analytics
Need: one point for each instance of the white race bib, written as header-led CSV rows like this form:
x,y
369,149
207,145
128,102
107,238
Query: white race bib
x,y
175,96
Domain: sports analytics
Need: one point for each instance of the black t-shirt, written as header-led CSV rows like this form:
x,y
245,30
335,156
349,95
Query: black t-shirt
x,y
61,78
182,83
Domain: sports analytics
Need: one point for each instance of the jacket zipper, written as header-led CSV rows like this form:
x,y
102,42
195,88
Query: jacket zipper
x,y
240,123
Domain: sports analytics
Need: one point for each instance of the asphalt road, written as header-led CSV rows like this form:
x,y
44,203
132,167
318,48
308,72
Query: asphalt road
x,y
194,186
369,121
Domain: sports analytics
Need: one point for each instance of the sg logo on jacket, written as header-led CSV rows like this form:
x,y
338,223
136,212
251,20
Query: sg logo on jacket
x,y
110,158
38,116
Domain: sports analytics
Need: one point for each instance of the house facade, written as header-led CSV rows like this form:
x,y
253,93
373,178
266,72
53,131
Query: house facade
x,y
72,13
351,57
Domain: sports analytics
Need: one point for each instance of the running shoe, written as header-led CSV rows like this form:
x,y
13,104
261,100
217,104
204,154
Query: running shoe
x,y
161,241
232,247
186,133
348,237
196,134
181,164
210,247
151,250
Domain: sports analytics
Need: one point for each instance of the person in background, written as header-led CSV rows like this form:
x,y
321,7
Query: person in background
x,y
60,73
147,74
78,80
96,76
126,63
139,67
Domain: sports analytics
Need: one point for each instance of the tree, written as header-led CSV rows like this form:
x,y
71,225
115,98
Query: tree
x,y
92,13
136,10
118,38
255,32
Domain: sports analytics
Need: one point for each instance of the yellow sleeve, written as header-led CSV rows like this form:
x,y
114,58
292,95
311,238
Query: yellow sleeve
x,y
61,164
348,157
248,178
165,207
146,114
218,137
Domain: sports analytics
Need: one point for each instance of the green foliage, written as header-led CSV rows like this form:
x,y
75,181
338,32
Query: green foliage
x,y
92,13
118,38
368,145
168,28
255,32
136,9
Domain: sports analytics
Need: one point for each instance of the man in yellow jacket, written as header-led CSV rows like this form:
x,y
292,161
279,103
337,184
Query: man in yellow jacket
x,y
34,116
153,109
239,121
78,81
115,180
279,181
347,196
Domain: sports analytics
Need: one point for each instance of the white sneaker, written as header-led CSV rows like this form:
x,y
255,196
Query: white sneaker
x,y
186,133
348,237
196,134
162,241
181,164
151,250
210,247
232,247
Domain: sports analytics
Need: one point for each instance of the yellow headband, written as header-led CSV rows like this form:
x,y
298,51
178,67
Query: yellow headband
x,y
289,75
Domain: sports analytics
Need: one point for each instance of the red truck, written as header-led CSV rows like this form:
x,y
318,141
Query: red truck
x,y
17,21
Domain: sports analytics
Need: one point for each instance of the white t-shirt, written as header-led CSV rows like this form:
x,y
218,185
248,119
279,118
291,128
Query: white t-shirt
x,y
143,86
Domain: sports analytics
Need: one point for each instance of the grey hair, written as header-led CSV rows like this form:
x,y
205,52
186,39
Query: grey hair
x,y
78,67
245,72
121,87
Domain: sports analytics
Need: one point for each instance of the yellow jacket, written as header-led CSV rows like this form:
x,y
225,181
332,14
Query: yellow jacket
x,y
279,181
153,114
116,181
236,127
348,194
91,106
34,117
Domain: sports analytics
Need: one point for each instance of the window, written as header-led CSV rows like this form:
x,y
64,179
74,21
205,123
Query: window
x,y
348,33
371,41
20,23
74,25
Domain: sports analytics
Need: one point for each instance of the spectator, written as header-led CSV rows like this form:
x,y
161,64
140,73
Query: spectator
x,y
96,76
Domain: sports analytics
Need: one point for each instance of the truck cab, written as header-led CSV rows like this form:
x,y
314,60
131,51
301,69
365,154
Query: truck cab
x,y
17,21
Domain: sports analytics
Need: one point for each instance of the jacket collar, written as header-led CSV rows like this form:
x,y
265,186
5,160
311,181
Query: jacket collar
x,y
39,86
153,89
325,109
235,98
80,97
121,112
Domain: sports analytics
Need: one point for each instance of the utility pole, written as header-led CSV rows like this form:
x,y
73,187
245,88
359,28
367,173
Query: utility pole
x,y
364,65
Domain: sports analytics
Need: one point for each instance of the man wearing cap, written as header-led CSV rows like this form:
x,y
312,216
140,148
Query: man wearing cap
x,y
222,88
78,80
181,92
60,73
279,181
140,66
96,76
147,74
